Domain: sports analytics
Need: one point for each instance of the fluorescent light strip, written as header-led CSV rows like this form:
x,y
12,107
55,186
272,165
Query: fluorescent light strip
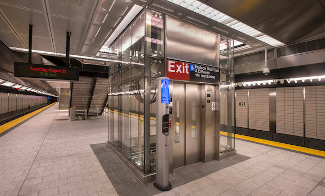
x,y
222,18
7,83
125,11
108,33
111,6
162,7
135,10
97,33
16,86
105,18
74,56
275,81
117,21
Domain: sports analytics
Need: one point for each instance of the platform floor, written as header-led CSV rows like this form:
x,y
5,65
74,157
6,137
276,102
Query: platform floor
x,y
51,155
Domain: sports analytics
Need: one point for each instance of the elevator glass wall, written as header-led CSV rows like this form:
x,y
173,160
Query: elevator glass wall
x,y
227,95
138,56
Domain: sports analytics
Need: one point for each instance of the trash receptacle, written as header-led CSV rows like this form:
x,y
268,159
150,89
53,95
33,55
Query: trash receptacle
x,y
72,114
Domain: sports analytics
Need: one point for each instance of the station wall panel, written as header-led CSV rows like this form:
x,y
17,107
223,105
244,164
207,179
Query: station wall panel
x,y
298,111
4,103
259,109
242,108
320,91
19,102
280,122
311,111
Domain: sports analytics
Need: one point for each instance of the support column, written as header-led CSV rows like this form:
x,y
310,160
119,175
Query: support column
x,y
30,44
67,57
227,99
147,63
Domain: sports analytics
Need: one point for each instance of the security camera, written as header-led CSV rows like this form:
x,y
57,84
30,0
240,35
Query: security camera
x,y
266,71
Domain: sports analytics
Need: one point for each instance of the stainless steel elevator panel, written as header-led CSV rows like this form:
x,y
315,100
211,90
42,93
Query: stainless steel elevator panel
x,y
208,123
193,123
178,125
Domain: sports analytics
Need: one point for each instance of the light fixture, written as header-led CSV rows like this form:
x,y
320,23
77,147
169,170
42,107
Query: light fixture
x,y
222,18
135,10
105,18
111,6
16,86
73,56
281,81
7,83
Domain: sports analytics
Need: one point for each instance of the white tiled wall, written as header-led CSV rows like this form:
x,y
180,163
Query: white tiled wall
x,y
298,111
311,114
242,108
259,109
315,112
280,122
289,110
320,112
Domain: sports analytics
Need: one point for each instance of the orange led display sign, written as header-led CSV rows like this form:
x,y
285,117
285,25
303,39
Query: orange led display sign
x,y
28,70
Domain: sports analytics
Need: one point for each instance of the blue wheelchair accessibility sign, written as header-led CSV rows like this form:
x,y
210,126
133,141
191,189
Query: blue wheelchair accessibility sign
x,y
192,67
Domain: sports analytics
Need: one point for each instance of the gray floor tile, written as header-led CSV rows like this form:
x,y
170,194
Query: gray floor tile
x,y
74,160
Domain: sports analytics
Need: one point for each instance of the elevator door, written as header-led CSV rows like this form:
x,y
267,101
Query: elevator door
x,y
193,123
179,125
186,115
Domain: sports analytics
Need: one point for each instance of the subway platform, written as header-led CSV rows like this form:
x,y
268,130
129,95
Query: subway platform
x,y
50,155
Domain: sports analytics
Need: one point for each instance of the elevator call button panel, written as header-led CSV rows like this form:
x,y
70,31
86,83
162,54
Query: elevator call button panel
x,y
165,124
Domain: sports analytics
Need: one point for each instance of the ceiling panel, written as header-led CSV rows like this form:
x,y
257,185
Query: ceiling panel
x,y
61,47
119,8
33,4
112,20
101,35
3,25
21,19
8,38
61,26
99,18
169,8
248,11
295,22
80,11
89,50
93,29
39,43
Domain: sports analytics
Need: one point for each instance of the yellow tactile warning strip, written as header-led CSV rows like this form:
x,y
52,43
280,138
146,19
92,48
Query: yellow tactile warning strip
x,y
15,122
262,141
278,144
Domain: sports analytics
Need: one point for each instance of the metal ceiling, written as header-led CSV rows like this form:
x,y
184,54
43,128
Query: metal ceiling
x,y
51,19
288,21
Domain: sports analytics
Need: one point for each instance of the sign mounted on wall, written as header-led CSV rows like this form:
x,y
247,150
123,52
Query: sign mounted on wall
x,y
29,70
165,91
192,72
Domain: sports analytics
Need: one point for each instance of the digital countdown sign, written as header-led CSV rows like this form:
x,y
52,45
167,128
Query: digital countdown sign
x,y
28,70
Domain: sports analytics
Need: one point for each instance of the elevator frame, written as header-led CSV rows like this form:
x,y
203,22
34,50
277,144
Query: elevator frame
x,y
151,59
